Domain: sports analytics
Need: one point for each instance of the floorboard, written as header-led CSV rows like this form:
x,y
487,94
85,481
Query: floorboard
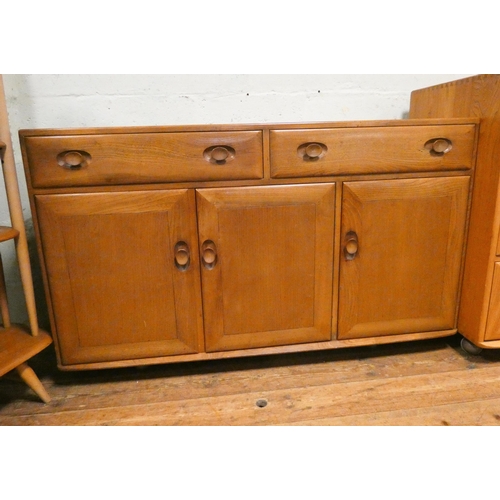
x,y
428,383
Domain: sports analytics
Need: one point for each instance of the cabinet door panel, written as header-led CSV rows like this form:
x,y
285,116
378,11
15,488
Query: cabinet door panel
x,y
115,288
272,280
404,277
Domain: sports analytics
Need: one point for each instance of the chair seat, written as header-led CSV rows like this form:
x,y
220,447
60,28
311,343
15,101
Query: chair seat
x,y
8,233
17,346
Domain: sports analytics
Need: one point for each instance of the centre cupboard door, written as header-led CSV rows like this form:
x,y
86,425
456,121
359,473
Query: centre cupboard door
x,y
402,246
266,264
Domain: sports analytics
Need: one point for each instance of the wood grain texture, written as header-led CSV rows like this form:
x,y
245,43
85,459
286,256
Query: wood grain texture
x,y
493,325
405,275
260,351
477,96
418,383
4,303
272,284
18,346
116,291
370,150
28,376
237,127
8,233
143,158
269,272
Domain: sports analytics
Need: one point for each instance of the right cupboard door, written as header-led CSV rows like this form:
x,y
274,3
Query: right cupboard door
x,y
401,253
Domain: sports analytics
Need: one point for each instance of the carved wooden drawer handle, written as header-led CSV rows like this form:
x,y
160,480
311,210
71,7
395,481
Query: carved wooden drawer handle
x,y
182,256
209,254
351,245
219,155
73,160
439,146
312,151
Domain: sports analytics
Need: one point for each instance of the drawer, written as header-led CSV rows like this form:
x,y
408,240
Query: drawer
x,y
367,150
106,159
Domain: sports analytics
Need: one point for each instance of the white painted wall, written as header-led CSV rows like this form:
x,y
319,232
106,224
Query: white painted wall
x,y
56,101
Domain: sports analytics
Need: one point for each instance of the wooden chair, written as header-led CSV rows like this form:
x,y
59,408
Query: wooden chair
x,y
17,343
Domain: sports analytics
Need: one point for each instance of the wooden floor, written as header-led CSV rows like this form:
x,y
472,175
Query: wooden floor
x,y
414,384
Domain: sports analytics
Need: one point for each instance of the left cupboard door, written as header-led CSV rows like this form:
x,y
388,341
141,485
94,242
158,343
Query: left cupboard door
x,y
123,274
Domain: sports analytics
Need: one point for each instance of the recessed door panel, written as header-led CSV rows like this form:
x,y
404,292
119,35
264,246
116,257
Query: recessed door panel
x,y
116,288
267,269
401,254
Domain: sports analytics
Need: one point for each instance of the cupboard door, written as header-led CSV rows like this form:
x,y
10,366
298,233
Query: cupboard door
x,y
266,264
123,274
401,255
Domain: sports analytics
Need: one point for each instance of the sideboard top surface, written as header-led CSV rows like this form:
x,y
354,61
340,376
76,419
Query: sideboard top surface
x,y
243,127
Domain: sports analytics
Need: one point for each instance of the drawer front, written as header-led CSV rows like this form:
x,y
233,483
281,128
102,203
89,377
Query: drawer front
x,y
86,160
367,150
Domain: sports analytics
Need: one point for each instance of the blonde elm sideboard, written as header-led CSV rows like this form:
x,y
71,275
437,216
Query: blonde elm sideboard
x,y
167,244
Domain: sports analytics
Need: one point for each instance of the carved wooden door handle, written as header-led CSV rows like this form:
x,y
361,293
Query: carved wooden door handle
x,y
351,245
209,254
182,256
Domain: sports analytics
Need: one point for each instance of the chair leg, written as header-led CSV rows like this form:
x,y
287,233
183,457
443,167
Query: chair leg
x,y
30,378
27,281
4,307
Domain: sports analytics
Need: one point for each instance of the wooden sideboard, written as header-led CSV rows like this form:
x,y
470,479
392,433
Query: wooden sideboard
x,y
167,244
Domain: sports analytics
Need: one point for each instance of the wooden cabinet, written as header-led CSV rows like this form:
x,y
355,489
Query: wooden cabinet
x,y
402,249
165,244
